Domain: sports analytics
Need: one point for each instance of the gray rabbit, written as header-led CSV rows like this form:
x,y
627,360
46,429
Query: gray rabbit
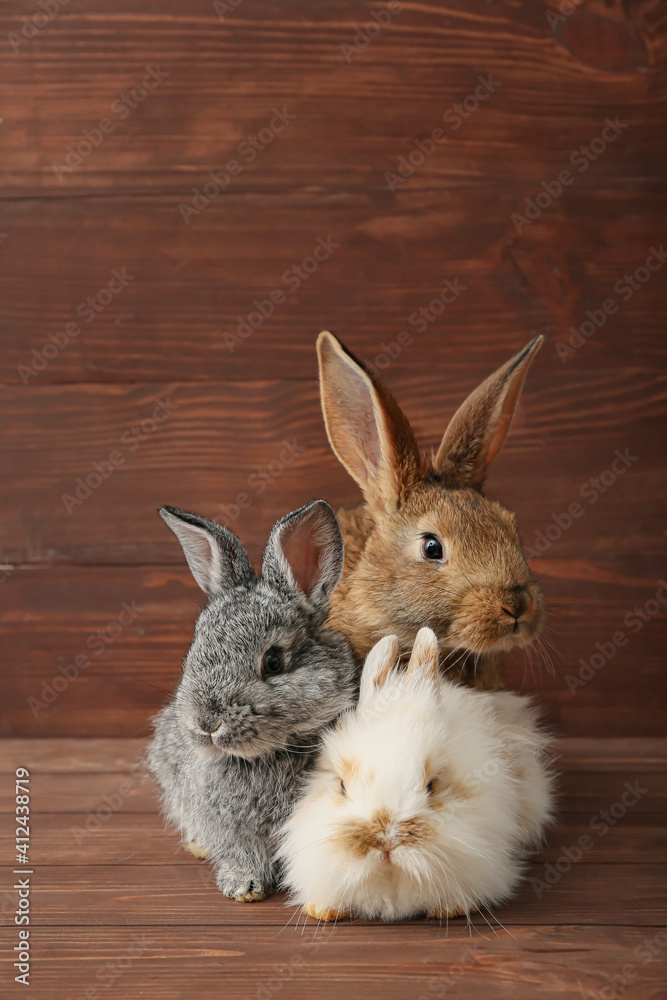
x,y
262,677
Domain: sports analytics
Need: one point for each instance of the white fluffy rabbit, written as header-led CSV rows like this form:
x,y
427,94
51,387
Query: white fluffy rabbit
x,y
423,800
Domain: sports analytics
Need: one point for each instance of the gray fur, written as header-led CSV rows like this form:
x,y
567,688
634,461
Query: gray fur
x,y
230,789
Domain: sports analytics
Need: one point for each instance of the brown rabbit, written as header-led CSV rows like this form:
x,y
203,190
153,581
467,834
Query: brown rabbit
x,y
426,548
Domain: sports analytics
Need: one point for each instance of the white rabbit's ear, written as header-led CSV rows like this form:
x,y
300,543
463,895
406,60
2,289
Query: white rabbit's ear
x,y
424,657
477,430
366,427
305,552
215,556
380,663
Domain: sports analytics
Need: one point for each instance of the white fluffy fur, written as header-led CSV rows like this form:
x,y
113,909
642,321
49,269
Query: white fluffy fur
x,y
491,800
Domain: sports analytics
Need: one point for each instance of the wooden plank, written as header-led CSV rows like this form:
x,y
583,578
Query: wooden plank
x,y
102,837
72,755
585,754
112,895
395,962
193,284
81,793
264,442
552,96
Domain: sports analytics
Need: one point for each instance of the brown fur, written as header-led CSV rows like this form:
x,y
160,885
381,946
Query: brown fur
x,y
386,586
363,837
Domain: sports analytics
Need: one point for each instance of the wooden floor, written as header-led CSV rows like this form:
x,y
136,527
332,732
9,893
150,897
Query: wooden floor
x,y
117,907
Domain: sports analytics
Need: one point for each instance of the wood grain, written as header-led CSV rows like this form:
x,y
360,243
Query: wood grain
x,y
266,440
355,962
353,119
173,894
194,284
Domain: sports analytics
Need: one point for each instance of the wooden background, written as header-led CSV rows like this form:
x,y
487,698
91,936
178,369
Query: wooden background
x,y
66,575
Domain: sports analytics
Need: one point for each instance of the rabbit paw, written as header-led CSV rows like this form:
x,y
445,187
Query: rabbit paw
x,y
192,848
326,915
248,891
451,914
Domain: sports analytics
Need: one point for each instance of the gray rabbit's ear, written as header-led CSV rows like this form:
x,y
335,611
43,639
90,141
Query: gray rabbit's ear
x,y
478,428
215,555
305,552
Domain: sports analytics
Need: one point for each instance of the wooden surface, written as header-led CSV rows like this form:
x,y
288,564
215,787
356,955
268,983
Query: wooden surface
x,y
110,885
66,574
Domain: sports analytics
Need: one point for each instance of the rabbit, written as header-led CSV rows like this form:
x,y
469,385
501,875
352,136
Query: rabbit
x,y
262,677
426,547
423,800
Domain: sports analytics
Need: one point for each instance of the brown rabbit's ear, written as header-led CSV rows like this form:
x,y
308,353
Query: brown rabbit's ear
x,y
366,427
379,664
424,656
478,428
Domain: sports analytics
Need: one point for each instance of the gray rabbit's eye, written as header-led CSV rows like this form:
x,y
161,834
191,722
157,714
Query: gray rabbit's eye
x,y
432,548
273,662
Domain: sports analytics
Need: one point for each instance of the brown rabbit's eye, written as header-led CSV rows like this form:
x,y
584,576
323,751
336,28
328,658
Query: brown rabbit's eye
x,y
430,788
273,662
432,548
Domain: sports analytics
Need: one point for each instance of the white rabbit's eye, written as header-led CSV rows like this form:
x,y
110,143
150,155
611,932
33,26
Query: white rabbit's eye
x,y
273,662
430,788
432,548
343,788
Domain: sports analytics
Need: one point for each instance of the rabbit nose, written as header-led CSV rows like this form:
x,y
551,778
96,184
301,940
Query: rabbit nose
x,y
208,726
515,603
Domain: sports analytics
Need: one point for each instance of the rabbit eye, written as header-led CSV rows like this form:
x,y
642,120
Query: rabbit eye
x,y
431,548
343,788
430,788
273,662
